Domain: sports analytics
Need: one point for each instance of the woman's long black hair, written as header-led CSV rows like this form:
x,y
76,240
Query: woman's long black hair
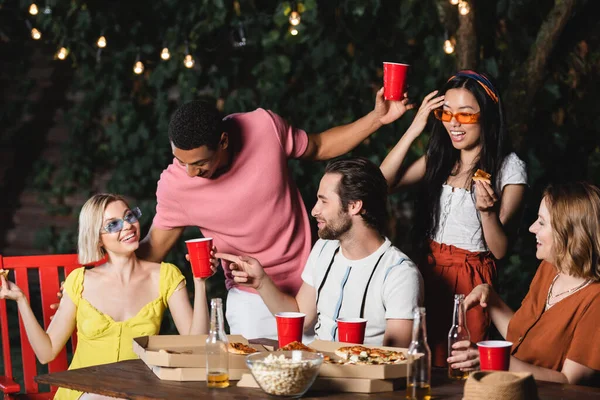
x,y
442,158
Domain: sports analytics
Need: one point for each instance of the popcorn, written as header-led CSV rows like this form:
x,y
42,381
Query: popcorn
x,y
283,376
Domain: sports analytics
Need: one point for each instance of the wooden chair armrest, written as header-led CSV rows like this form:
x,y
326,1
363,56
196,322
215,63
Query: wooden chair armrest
x,y
8,386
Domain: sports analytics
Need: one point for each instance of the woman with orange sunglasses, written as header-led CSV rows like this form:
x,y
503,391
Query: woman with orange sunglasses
x,y
461,226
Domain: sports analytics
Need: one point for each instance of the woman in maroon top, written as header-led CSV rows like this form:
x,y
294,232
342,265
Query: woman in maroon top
x,y
555,333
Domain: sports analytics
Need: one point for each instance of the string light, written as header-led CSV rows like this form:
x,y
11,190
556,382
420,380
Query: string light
x,y
295,18
454,2
62,53
101,42
448,46
36,34
188,61
138,67
238,36
464,8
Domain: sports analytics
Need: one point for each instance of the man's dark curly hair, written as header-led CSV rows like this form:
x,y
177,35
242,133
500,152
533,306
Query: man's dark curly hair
x,y
196,124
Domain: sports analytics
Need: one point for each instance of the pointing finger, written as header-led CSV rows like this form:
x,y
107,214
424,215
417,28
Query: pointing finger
x,y
228,257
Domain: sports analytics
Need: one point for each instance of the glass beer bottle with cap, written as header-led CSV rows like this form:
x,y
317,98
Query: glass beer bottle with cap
x,y
418,380
217,356
458,333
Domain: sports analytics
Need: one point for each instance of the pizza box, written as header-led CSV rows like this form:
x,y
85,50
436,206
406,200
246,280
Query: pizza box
x,y
176,351
356,385
392,371
190,373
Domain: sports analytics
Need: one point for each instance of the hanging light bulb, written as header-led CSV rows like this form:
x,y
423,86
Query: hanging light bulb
x,y
238,36
295,18
454,2
36,34
62,53
293,30
164,54
448,46
188,61
101,42
464,8
33,9
138,67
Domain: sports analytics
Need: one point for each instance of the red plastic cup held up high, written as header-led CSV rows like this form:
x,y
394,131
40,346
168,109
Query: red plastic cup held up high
x,y
394,80
199,251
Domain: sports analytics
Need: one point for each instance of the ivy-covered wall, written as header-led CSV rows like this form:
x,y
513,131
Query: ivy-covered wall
x,y
324,76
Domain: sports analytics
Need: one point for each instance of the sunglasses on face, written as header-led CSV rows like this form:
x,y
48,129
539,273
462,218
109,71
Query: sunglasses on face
x,y
463,118
116,225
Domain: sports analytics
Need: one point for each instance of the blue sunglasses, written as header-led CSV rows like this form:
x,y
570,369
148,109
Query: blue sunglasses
x,y
116,225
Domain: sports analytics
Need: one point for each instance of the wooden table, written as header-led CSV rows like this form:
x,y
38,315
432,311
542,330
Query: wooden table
x,y
132,379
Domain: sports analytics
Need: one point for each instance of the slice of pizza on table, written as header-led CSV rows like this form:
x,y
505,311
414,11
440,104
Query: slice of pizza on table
x,y
240,348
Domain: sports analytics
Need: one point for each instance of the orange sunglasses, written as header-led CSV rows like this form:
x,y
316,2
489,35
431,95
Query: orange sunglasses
x,y
463,118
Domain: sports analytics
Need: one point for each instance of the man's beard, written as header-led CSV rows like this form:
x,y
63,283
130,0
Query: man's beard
x,y
334,231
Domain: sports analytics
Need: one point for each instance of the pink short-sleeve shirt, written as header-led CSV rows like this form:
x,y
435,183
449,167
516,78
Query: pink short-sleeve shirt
x,y
254,208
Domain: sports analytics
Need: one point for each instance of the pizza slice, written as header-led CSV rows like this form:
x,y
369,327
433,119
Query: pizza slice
x,y
297,346
240,348
347,352
481,175
369,356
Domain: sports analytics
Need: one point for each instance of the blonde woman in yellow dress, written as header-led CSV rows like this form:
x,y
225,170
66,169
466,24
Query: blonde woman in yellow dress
x,y
110,304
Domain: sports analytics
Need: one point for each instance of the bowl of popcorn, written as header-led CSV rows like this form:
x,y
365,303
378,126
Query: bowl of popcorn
x,y
285,373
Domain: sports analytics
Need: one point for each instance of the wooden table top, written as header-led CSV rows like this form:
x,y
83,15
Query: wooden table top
x,y
132,379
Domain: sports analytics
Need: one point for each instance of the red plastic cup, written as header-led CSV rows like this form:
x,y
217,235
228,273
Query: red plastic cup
x,y
394,80
494,355
290,326
351,330
199,251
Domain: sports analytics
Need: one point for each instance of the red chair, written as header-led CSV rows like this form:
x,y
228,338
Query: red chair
x,y
48,269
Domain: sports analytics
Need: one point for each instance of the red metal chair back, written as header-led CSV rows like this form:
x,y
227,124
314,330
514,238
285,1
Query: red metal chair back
x,y
48,270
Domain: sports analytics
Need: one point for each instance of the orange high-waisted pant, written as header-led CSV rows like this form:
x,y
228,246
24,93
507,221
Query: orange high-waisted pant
x,y
450,271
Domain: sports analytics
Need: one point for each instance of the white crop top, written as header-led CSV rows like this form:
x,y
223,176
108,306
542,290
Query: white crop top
x,y
459,223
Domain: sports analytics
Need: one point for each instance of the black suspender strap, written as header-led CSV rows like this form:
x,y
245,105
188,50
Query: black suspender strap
x,y
326,274
318,324
364,299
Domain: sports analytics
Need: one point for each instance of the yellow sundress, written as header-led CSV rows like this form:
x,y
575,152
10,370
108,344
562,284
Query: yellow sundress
x,y
102,340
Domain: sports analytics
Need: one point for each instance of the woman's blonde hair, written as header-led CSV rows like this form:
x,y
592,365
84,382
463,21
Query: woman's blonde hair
x,y
90,226
575,212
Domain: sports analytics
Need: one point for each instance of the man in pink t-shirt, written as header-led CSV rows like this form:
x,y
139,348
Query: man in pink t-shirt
x,y
230,178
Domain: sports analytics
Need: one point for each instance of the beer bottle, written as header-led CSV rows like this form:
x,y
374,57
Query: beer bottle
x,y
458,333
217,356
418,380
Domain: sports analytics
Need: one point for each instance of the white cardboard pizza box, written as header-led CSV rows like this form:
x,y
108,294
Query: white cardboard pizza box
x,y
184,351
355,385
392,371
190,373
